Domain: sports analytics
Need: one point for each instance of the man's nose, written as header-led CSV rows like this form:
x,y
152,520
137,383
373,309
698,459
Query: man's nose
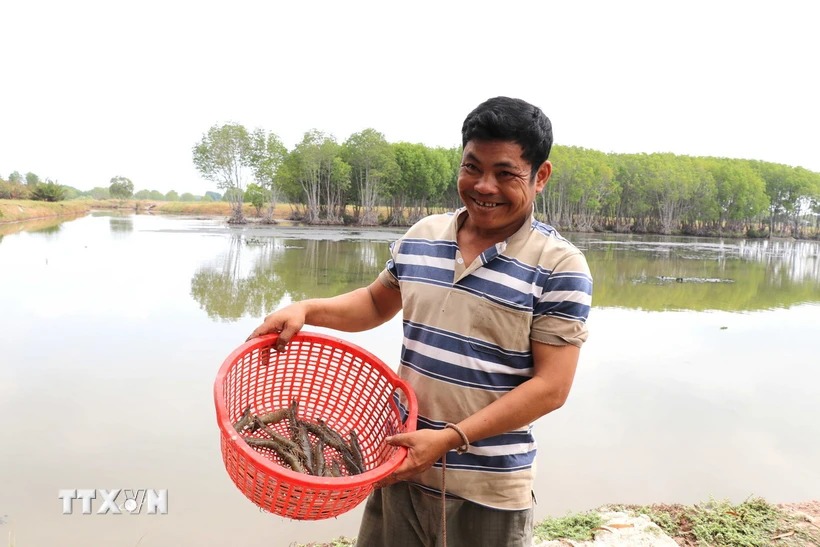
x,y
486,184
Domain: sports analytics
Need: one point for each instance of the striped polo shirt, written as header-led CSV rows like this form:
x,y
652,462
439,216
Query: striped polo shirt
x,y
467,333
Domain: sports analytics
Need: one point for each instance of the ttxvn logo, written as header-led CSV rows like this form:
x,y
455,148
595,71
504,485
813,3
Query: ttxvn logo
x,y
131,501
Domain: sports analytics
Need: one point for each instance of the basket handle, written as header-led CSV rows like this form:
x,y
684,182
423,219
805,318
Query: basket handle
x,y
412,403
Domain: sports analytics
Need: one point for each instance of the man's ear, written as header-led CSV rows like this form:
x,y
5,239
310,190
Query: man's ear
x,y
542,176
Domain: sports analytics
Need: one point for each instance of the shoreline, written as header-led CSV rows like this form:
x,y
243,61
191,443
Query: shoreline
x,y
16,211
754,522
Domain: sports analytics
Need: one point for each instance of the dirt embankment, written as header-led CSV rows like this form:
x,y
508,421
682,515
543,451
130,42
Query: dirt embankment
x,y
17,210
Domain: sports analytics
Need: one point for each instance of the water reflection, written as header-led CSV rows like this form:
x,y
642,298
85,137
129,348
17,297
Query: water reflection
x,y
240,281
697,274
41,225
120,225
254,274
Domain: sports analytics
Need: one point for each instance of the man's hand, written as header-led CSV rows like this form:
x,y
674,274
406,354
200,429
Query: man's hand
x,y
424,448
285,322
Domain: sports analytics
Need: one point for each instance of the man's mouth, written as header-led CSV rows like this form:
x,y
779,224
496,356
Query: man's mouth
x,y
486,203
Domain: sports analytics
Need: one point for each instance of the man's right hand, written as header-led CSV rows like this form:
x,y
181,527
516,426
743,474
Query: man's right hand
x,y
285,322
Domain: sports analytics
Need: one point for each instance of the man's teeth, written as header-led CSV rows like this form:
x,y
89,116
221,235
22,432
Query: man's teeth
x,y
486,204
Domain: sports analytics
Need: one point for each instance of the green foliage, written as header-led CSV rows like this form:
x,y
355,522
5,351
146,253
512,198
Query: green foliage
x,y
669,518
15,177
257,196
13,190
224,155
425,175
32,179
749,524
72,193
266,156
98,192
121,187
589,190
214,196
582,187
372,162
315,175
48,191
577,527
187,196
740,190
172,196
232,195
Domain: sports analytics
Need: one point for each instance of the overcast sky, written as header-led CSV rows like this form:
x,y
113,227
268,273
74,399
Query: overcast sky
x,y
91,90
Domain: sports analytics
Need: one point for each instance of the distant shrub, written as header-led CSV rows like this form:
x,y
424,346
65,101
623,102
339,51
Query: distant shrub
x,y
756,233
13,190
48,191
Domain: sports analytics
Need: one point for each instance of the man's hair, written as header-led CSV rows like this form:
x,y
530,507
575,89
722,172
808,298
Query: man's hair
x,y
506,119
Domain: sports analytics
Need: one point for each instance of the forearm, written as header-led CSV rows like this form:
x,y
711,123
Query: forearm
x,y
355,311
350,312
515,410
545,392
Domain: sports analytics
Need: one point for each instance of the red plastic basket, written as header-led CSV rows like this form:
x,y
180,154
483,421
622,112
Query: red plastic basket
x,y
332,380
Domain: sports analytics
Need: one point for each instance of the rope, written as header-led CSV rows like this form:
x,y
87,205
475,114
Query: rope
x,y
460,450
443,498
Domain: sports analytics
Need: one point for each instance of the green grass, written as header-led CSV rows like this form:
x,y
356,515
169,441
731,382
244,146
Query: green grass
x,y
577,527
752,523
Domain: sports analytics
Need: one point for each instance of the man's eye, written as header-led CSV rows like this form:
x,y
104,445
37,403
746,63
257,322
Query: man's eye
x,y
506,175
468,167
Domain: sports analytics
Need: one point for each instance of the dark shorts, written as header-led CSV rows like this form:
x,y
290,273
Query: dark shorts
x,y
403,515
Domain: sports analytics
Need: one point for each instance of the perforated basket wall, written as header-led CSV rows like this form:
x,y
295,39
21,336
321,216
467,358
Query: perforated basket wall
x,y
340,383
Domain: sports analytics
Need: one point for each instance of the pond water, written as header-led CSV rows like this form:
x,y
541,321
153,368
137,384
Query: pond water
x,y
699,378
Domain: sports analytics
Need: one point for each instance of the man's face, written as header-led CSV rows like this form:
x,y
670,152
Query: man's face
x,y
495,184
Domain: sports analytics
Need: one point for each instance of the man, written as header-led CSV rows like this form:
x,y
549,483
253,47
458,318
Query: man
x,y
494,311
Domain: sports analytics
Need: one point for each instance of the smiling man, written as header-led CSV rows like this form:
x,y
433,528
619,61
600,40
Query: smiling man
x,y
494,307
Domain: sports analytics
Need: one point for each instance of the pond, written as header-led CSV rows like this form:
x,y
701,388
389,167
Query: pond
x,y
699,378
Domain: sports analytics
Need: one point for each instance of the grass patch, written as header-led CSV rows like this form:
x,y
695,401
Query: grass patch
x,y
752,523
669,518
577,527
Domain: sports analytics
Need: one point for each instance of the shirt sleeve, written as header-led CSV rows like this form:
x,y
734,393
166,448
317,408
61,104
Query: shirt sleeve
x,y
561,312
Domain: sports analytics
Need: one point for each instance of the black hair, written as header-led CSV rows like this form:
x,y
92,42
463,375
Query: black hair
x,y
506,119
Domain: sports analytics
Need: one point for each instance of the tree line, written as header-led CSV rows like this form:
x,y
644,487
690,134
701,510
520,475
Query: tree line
x,y
32,187
364,180
368,181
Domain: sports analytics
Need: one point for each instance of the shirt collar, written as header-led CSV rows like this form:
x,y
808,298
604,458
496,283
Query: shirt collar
x,y
460,215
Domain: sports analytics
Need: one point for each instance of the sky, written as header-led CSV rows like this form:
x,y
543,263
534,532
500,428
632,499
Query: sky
x,y
93,90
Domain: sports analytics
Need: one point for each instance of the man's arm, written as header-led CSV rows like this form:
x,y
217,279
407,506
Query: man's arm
x,y
358,310
547,390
